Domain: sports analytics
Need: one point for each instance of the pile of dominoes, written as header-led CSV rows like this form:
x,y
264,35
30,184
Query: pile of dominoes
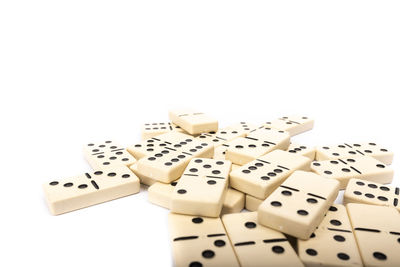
x,y
208,177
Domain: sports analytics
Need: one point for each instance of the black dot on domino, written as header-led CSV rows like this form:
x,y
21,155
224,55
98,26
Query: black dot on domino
x,y
219,243
302,212
343,256
250,225
195,264
339,238
197,220
276,203
208,254
311,252
278,249
379,256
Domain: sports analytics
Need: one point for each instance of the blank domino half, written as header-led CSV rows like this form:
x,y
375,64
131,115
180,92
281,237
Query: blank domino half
x,y
361,167
160,194
333,243
85,190
142,178
200,241
346,150
377,231
256,245
201,189
302,150
292,124
256,144
360,191
107,154
298,206
252,203
193,122
150,130
262,176
233,202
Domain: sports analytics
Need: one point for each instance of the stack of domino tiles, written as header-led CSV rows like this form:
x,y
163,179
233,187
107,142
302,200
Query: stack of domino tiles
x,y
246,195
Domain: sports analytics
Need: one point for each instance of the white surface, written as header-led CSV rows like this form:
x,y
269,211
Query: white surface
x,y
76,71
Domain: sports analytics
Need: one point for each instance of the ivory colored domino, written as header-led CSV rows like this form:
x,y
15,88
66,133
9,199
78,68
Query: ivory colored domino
x,y
333,243
256,144
377,232
85,190
221,136
154,129
361,167
193,122
262,176
107,154
302,150
233,202
256,245
202,188
360,191
200,241
142,178
168,164
292,124
298,206
157,144
252,203
346,150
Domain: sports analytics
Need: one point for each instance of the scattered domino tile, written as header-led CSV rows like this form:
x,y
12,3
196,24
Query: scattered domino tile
x,y
333,243
256,144
302,150
256,245
168,164
221,136
200,241
360,191
292,124
377,232
252,203
193,122
262,176
85,190
201,189
233,202
107,154
143,178
361,167
150,130
298,206
349,150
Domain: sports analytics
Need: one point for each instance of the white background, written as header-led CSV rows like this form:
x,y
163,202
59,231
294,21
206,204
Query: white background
x,y
73,72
